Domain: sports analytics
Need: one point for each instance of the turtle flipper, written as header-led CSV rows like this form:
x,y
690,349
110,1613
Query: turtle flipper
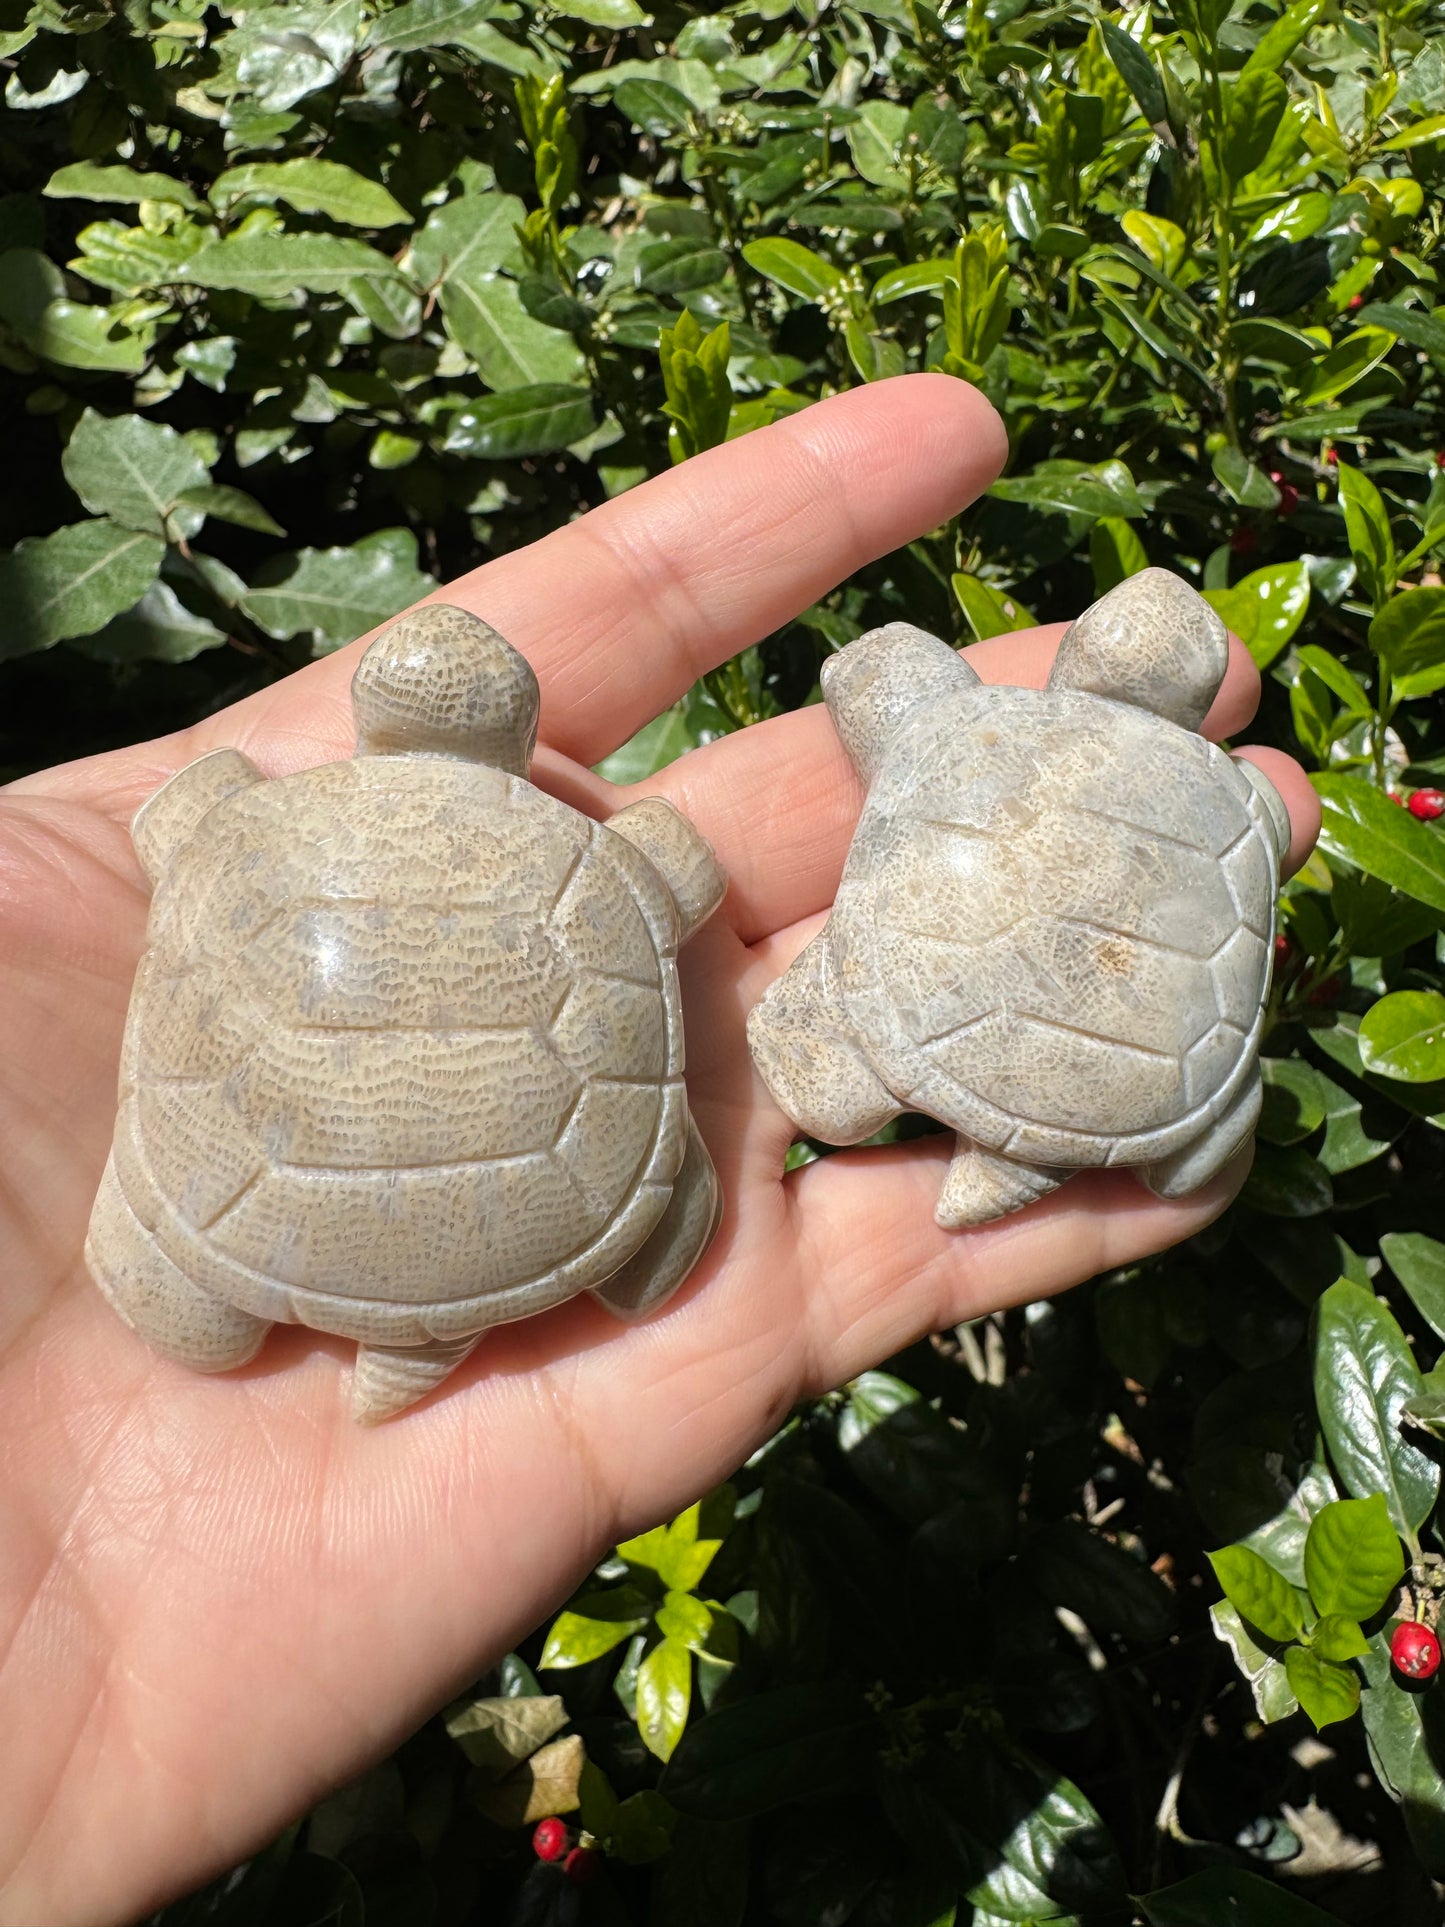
x,y
980,1187
388,1378
683,859
818,1076
677,1241
165,820
1207,1155
155,1298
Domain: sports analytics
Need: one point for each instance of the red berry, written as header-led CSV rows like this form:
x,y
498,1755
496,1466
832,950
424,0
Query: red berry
x,y
1282,949
1328,455
1357,301
1440,458
582,1866
1426,805
549,1839
1395,797
1326,992
1244,541
1288,498
1415,1650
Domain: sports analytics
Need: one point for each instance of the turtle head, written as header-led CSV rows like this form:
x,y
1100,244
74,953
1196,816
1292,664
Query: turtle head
x,y
1151,642
441,682
884,680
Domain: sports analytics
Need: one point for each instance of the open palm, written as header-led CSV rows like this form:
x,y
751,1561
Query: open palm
x,y
195,1572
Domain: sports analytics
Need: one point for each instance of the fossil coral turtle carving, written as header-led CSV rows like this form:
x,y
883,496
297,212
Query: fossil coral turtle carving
x,y
404,1056
1054,927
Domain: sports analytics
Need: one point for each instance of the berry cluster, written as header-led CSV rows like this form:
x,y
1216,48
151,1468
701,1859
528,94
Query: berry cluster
x,y
552,1840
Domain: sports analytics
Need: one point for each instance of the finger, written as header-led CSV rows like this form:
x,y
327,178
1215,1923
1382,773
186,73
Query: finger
x,y
1300,799
883,1273
779,802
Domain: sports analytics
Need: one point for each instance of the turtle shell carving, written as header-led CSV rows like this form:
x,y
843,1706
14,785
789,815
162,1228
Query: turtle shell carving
x,y
1054,929
404,1058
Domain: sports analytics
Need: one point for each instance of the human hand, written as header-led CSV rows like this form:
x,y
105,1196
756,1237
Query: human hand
x,y
219,1596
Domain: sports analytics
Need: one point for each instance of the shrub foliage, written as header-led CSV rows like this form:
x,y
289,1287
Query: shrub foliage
x,y
304,306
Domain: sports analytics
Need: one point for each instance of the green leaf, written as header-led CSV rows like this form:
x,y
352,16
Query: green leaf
x,y
1403,1036
1368,526
1339,1638
276,266
791,1743
546,1783
1137,70
1347,362
1326,1690
594,1625
1115,552
1286,1182
313,187
1243,480
1269,1683
1255,103
1409,634
86,181
664,1696
794,267
441,23
485,317
679,265
72,582
1361,825
875,357
685,1619
536,420
1266,608
337,594
1296,1098
655,745
1426,1413
908,1455
1419,1264
679,1554
1420,330
989,611
1229,1897
654,106
498,1734
1264,1597
160,628
1353,1560
1364,1373
918,277
1282,36
1053,1854
1112,1592
232,505
1072,489
467,239
1405,1748
134,471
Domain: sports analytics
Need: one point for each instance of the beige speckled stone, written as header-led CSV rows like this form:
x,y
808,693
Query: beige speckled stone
x,y
1054,929
404,1056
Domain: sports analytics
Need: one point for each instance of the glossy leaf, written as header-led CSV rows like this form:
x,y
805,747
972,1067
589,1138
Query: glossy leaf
x,y
1409,634
1261,1666
1296,1098
87,181
795,1742
1403,1036
1367,524
533,420
1229,1894
1353,1560
1338,1637
135,471
72,583
276,266
1419,1264
798,269
1327,1690
1264,1597
988,610
159,628
485,316
313,187
1362,826
1364,1373
1266,608
337,594
594,1625
664,1694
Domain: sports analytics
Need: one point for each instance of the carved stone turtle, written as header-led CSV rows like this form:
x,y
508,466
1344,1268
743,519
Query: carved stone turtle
x,y
1054,929
404,1055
